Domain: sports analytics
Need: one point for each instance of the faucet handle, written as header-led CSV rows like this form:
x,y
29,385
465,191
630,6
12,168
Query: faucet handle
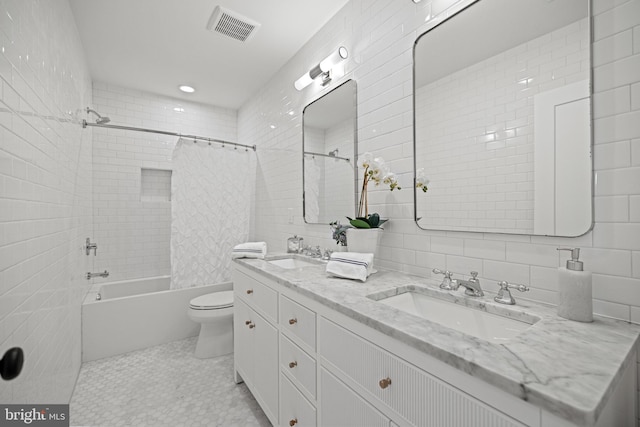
x,y
447,273
474,275
447,283
504,296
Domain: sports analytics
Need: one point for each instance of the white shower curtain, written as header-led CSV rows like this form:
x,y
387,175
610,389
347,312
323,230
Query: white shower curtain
x,y
211,191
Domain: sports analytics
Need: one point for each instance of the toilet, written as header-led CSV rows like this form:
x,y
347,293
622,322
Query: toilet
x,y
215,314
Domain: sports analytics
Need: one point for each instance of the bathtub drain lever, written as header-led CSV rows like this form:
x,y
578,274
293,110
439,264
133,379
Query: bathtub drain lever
x,y
92,275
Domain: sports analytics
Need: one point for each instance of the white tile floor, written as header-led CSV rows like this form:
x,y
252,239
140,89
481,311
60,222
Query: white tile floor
x,y
163,386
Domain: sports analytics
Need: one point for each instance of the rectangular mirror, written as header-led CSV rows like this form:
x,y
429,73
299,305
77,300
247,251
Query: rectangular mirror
x,y
329,140
502,113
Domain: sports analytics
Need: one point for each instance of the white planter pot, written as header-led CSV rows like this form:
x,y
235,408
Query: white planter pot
x,y
364,240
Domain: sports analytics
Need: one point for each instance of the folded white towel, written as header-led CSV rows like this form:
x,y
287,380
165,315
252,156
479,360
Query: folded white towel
x,y
250,250
350,265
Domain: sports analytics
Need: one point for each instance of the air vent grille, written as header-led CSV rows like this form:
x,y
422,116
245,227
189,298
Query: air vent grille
x,y
232,24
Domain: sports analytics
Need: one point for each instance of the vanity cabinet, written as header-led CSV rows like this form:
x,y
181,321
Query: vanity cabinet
x,y
256,341
379,376
309,365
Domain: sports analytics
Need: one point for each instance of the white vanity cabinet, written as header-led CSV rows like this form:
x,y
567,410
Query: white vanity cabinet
x,y
256,340
379,376
310,365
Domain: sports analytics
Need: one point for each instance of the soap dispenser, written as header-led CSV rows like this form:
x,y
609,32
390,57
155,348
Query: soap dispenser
x,y
575,300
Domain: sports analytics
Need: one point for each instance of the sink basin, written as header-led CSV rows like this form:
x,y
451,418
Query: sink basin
x,y
291,263
481,324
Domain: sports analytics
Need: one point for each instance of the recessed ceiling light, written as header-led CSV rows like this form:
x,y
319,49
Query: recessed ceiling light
x,y
187,89
178,109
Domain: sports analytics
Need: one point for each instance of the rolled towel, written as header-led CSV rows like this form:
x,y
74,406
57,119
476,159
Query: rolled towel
x,y
350,265
250,250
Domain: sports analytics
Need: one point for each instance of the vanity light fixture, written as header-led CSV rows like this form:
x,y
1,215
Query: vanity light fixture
x,y
323,68
186,89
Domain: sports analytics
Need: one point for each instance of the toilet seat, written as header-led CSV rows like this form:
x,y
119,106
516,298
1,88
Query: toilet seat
x,y
214,301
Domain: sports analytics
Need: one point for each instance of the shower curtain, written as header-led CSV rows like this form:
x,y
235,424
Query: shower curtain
x,y
211,193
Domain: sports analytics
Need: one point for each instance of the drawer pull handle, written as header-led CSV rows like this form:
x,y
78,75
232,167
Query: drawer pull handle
x,y
247,322
293,364
293,422
384,383
293,321
249,291
251,325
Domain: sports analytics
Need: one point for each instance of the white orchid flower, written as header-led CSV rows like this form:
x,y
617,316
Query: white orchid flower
x,y
421,180
365,160
391,180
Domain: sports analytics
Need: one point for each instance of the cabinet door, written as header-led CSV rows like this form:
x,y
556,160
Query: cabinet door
x,y
243,340
265,364
341,406
295,409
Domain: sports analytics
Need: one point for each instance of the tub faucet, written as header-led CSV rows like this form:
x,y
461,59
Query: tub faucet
x,y
472,285
90,275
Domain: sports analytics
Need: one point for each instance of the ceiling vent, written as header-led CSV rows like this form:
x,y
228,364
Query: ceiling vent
x,y
232,24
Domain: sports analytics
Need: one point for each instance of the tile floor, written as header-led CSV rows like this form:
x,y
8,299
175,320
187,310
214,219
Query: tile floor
x,y
163,386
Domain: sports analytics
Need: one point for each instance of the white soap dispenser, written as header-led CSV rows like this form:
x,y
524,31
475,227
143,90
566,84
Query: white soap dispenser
x,y
575,301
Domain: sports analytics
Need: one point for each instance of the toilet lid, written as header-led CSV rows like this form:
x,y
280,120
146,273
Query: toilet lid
x,y
215,300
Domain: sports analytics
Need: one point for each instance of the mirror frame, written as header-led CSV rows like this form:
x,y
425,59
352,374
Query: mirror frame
x,y
355,150
437,23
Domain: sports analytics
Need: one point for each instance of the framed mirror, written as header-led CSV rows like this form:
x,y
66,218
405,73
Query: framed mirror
x,y
329,141
502,119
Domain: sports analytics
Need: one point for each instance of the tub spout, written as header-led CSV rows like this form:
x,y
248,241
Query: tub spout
x,y
92,275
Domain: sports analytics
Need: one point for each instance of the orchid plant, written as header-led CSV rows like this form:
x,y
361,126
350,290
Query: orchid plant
x,y
377,171
421,180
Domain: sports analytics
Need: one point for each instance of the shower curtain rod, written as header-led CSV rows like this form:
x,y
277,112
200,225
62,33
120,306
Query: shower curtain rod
x,y
164,132
326,155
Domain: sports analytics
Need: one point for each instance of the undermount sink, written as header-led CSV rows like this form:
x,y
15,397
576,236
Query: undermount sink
x,y
472,321
291,263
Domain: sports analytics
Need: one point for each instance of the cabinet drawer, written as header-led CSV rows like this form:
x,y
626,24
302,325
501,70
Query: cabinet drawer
x,y
297,363
341,406
295,409
299,321
258,296
418,397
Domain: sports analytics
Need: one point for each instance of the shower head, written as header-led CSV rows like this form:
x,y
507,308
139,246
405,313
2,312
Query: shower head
x,y
101,119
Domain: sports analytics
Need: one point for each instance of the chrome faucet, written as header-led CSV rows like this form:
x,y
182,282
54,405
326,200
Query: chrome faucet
x,y
472,285
504,295
91,275
447,283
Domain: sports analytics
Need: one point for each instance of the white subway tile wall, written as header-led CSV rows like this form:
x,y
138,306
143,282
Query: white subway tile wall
x,y
380,36
133,232
45,196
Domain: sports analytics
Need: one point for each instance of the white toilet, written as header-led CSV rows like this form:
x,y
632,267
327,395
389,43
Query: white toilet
x,y
215,313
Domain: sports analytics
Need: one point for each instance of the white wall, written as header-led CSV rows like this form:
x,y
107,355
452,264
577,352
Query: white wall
x,y
380,36
45,196
133,235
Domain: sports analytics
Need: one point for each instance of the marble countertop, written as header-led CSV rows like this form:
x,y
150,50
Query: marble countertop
x,y
568,368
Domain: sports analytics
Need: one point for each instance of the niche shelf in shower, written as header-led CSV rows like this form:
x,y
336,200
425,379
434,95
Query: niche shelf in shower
x,y
155,185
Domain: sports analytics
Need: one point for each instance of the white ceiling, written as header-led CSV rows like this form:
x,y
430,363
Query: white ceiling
x,y
157,45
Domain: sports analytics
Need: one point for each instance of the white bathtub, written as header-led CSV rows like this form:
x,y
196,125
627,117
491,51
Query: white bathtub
x,y
136,314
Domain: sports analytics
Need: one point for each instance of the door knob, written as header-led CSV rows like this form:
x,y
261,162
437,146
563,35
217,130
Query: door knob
x,y
11,363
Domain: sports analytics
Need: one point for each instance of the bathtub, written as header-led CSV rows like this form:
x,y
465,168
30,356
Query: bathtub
x,y
135,314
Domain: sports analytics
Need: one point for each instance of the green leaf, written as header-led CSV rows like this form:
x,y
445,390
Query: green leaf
x,y
358,223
